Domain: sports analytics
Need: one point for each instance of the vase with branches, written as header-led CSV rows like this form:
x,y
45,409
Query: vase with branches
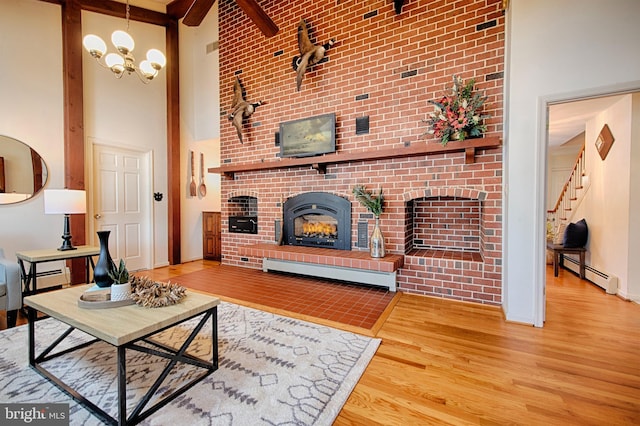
x,y
375,204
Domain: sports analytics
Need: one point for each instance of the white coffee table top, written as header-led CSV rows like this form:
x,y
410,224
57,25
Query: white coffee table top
x,y
121,325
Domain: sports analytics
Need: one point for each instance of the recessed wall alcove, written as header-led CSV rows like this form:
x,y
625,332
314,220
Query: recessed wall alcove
x,y
243,205
242,213
445,222
446,236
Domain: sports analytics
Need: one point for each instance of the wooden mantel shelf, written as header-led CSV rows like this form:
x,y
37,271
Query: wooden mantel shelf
x,y
319,163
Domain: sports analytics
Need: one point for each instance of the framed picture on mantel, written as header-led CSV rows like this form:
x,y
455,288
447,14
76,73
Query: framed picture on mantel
x,y
604,141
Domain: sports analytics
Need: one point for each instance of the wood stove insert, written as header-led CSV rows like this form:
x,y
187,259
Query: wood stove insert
x,y
318,219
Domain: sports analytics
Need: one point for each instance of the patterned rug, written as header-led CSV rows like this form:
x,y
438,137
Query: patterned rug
x,y
272,370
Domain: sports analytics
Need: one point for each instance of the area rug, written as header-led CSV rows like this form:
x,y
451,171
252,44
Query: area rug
x,y
272,370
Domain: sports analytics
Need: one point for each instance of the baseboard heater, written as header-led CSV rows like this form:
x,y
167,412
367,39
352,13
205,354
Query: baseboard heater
x,y
53,278
606,281
354,275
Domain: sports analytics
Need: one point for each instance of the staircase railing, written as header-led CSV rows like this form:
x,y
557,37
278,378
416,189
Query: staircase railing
x,y
569,193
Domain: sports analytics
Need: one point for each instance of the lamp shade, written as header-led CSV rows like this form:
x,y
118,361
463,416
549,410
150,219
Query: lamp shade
x,y
122,41
64,201
147,69
114,60
156,58
94,45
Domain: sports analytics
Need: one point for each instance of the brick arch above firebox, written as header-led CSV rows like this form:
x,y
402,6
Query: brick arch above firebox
x,y
241,193
446,191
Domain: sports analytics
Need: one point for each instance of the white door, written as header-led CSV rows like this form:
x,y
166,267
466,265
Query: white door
x,y
558,178
122,204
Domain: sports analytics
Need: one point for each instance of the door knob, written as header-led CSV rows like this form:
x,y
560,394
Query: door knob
x,y
97,216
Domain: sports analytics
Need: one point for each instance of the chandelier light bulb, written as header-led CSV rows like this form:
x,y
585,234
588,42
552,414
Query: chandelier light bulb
x,y
114,60
147,69
156,58
122,41
118,70
94,45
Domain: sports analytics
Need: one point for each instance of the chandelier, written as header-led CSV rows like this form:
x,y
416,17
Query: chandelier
x,y
123,61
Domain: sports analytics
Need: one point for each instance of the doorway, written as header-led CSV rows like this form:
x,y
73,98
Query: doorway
x,y
567,122
121,203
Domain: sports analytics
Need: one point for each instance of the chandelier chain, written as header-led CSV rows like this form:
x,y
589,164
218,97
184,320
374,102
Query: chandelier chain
x,y
127,15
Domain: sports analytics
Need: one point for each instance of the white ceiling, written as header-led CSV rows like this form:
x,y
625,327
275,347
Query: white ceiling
x,y
157,5
568,120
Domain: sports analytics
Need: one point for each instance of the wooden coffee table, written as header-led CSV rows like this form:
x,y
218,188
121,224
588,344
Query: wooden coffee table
x,y
124,327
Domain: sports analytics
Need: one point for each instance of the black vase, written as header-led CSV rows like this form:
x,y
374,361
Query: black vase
x,y
103,266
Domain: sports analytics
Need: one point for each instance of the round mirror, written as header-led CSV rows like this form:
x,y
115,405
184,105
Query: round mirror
x,y
22,171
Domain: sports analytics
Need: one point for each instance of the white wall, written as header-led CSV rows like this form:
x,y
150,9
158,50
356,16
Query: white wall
x,y
123,113
557,51
31,111
199,127
633,289
127,113
606,204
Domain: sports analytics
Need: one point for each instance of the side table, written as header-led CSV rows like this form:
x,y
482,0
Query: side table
x,y
34,257
558,256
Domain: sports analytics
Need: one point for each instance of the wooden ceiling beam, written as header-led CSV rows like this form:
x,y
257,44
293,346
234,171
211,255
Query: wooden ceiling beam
x,y
74,149
117,9
179,8
197,12
253,10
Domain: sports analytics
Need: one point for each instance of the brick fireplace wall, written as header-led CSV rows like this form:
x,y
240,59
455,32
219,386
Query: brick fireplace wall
x,y
386,67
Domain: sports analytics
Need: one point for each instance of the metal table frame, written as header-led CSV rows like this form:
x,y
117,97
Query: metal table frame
x,y
140,411
34,257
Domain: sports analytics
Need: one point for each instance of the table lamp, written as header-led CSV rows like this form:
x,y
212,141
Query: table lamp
x,y
66,202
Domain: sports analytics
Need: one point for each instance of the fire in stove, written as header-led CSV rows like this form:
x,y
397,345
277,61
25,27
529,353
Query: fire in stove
x,y
316,226
324,230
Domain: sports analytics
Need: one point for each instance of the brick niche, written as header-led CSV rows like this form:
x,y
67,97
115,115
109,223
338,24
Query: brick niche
x,y
386,67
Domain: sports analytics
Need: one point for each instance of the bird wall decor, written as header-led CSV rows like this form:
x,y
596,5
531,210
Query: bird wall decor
x,y
310,54
240,108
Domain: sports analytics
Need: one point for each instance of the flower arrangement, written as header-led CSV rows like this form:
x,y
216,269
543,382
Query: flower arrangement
x,y
458,114
373,203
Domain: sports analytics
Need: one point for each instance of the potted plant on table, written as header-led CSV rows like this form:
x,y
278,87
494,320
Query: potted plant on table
x,y
121,287
375,204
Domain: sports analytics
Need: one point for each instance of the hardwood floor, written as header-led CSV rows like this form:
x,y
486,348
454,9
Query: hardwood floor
x,y
448,362
443,362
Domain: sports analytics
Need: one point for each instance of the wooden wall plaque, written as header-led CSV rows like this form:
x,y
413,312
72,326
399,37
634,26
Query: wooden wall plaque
x,y
604,141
